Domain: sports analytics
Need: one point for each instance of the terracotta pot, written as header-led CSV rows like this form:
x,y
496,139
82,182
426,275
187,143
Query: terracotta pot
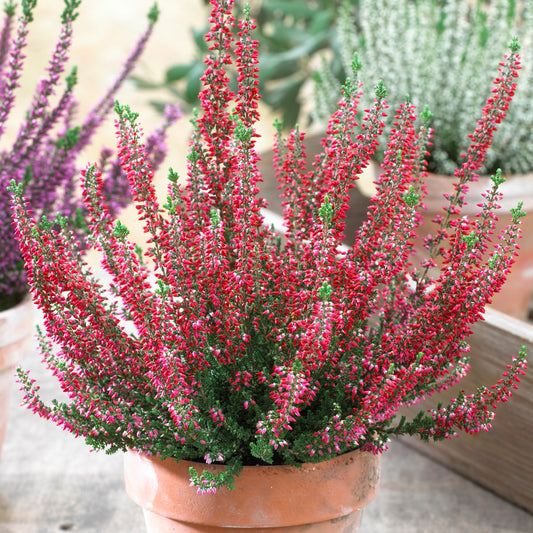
x,y
325,497
515,296
16,333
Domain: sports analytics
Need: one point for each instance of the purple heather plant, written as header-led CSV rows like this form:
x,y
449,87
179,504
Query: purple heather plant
x,y
232,344
43,156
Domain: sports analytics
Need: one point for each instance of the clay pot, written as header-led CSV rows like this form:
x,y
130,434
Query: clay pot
x,y
516,294
16,333
326,497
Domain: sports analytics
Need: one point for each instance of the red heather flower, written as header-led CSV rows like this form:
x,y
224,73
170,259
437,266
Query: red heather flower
x,y
228,342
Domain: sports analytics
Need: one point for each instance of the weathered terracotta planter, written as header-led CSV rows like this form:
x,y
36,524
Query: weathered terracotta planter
x,y
326,497
16,332
516,294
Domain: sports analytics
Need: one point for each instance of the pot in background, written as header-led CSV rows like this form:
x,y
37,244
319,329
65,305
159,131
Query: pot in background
x,y
516,294
16,335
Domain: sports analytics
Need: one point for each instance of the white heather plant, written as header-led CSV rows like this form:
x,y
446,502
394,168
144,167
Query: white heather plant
x,y
442,54
250,349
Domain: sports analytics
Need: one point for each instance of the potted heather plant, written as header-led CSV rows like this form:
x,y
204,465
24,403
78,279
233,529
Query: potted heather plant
x,y
231,356
442,54
43,158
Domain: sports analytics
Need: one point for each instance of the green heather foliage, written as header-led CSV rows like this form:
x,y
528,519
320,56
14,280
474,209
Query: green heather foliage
x,y
442,54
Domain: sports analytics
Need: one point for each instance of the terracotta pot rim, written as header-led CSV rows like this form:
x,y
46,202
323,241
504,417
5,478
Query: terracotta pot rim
x,y
26,301
201,465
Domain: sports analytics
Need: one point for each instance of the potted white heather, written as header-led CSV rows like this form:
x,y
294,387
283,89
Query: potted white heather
x,y
44,158
443,55
230,356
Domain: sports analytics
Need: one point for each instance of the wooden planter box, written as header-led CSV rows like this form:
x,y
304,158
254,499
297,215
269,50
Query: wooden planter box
x,y
499,460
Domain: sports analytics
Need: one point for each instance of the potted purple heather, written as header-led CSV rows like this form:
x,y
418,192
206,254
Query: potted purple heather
x,y
43,157
229,356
